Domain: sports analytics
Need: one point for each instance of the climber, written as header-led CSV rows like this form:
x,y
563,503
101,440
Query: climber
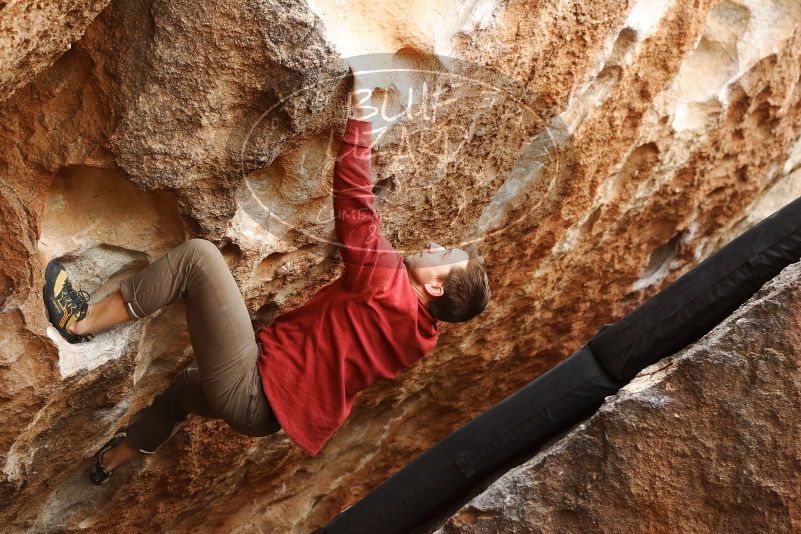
x,y
302,372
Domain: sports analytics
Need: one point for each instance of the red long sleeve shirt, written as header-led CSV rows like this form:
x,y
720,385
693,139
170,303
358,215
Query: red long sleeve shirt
x,y
366,325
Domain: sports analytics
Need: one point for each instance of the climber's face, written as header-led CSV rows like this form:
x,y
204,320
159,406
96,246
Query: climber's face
x,y
433,264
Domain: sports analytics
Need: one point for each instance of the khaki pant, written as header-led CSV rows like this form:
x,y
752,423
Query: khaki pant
x,y
226,383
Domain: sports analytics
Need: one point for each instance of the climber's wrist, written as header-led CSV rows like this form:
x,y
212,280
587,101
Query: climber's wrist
x,y
359,113
360,100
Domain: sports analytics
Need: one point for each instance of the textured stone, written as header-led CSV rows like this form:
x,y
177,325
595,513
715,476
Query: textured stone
x,y
706,440
636,138
33,34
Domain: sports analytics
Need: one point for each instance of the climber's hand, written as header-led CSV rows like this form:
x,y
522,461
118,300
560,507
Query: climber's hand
x,y
357,64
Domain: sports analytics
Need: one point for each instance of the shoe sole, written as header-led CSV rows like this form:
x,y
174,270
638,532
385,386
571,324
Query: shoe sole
x,y
51,272
119,437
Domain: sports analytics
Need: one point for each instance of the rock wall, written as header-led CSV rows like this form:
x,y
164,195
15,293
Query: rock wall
x,y
34,34
636,138
703,441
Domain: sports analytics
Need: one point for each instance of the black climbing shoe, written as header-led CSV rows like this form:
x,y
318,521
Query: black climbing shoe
x,y
98,473
64,304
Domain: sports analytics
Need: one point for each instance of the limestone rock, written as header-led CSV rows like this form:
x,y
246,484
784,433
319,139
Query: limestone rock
x,y
34,34
594,150
703,441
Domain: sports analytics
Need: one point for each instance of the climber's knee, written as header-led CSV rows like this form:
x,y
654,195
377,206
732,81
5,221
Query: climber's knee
x,y
204,250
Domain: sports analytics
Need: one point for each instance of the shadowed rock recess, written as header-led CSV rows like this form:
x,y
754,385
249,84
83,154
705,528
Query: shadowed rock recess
x,y
634,139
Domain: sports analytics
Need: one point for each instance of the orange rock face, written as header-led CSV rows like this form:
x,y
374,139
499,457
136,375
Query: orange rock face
x,y
595,151
34,34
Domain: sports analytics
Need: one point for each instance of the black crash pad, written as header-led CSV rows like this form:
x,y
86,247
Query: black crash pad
x,y
700,299
532,415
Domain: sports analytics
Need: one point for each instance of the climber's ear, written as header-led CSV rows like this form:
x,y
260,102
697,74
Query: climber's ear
x,y
434,289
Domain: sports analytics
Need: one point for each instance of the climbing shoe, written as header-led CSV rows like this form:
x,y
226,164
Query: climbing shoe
x,y
98,473
64,304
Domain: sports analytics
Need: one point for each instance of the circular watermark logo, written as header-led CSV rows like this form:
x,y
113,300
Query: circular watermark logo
x,y
447,154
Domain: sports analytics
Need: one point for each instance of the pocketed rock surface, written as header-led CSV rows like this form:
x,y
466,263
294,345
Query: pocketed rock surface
x,y
634,138
707,440
34,34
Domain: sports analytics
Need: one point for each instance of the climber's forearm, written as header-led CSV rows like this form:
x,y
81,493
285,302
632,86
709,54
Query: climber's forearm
x,y
356,220
353,187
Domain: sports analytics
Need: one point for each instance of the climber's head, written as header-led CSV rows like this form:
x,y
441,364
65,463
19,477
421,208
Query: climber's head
x,y
451,282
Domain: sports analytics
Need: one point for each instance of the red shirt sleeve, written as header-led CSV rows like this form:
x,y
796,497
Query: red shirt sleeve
x,y
370,260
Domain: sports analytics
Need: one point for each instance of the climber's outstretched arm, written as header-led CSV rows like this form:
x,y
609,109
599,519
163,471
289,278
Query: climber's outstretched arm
x,y
357,224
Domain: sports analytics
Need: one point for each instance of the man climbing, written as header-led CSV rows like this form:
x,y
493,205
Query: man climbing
x,y
302,372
